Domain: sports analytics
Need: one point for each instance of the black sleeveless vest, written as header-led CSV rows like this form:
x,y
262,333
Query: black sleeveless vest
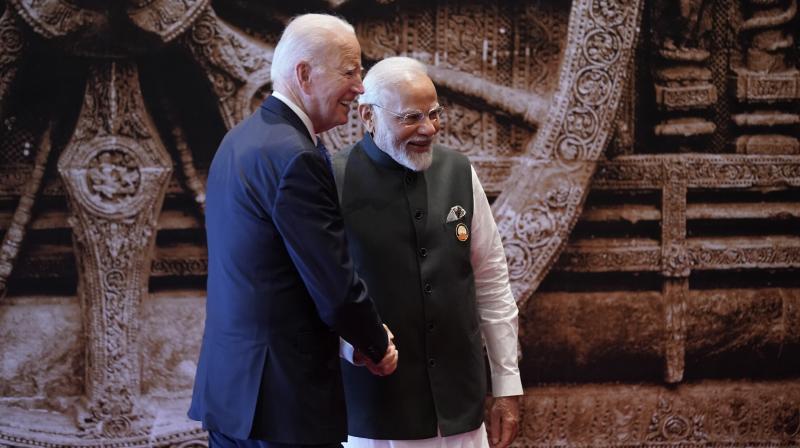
x,y
419,274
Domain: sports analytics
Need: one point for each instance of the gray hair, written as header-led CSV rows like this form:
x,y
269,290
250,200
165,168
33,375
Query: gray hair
x,y
388,73
307,37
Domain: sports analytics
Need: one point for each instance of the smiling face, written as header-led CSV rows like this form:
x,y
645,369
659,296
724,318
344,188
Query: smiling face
x,y
408,144
333,83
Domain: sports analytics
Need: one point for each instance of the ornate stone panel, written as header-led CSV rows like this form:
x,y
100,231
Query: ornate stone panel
x,y
709,415
679,256
740,253
236,65
675,291
720,76
115,171
165,18
682,79
87,26
55,18
767,80
702,171
180,265
611,256
12,48
675,266
47,338
547,189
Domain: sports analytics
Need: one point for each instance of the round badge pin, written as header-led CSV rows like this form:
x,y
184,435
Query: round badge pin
x,y
462,233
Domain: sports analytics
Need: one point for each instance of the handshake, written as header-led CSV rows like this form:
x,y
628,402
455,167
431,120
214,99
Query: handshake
x,y
388,364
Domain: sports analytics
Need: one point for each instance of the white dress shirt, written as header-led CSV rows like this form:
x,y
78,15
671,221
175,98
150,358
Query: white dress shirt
x,y
300,113
498,315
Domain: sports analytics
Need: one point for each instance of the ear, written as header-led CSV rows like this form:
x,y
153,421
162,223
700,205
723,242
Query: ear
x,y
367,115
302,72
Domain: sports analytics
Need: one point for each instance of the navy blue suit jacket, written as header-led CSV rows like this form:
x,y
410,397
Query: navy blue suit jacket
x,y
281,289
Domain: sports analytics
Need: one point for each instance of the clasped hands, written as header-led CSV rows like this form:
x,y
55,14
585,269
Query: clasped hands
x,y
502,413
389,362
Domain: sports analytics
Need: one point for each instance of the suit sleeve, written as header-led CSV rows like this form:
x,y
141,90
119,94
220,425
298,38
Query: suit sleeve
x,y
307,215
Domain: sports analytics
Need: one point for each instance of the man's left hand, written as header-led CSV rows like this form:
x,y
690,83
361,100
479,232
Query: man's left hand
x,y
503,419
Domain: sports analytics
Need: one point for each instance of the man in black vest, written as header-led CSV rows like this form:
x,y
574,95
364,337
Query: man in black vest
x,y
422,236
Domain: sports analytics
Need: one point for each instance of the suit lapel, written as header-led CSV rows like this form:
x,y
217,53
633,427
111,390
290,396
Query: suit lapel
x,y
279,108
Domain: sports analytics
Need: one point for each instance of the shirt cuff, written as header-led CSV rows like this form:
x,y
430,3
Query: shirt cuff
x,y
347,352
506,385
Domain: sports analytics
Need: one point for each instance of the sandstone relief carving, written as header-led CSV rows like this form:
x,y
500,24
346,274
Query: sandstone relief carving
x,y
115,171
642,158
767,81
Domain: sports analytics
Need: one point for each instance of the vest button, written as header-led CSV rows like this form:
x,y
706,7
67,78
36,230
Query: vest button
x,y
419,214
431,326
428,288
431,362
423,252
410,178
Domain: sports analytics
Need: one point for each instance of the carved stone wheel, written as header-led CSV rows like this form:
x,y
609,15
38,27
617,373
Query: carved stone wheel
x,y
115,167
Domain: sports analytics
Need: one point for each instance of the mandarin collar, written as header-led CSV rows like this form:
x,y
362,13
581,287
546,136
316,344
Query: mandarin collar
x,y
379,156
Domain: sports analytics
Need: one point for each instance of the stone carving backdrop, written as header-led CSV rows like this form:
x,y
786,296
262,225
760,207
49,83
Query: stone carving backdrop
x,y
643,159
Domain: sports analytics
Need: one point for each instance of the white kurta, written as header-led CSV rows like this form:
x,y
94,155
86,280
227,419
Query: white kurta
x,y
497,312
471,439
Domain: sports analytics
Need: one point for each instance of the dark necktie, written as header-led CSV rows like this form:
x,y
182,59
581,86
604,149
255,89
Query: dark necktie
x,y
324,151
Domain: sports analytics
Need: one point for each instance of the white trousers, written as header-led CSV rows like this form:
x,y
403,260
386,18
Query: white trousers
x,y
472,439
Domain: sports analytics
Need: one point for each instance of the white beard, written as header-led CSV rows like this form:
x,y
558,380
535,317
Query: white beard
x,y
414,161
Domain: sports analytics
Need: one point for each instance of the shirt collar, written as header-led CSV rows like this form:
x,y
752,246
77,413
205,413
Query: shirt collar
x,y
300,113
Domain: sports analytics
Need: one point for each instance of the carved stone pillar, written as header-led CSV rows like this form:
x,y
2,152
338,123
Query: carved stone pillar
x,y
683,89
768,83
675,266
115,172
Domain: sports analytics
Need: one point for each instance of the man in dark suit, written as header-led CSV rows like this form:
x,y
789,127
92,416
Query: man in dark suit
x,y
281,284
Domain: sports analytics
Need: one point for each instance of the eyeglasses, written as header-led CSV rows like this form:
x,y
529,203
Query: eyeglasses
x,y
415,117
